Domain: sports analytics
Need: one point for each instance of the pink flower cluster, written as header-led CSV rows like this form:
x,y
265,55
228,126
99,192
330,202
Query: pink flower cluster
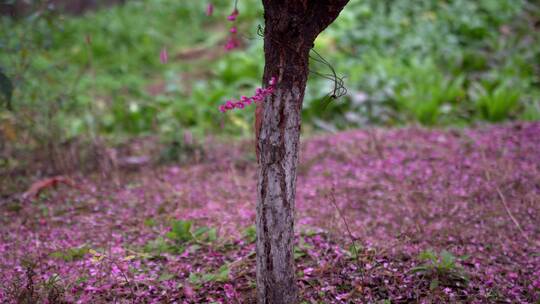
x,y
233,15
232,42
260,94
209,9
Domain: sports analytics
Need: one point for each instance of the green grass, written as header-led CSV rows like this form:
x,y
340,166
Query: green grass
x,y
433,62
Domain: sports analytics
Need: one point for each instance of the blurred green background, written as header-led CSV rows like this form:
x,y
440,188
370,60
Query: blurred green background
x,y
431,62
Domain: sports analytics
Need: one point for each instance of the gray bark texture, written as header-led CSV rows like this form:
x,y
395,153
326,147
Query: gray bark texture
x,y
291,27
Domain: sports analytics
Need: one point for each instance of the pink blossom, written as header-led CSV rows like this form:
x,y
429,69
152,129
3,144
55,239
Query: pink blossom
x,y
260,95
164,56
209,9
308,271
188,291
233,15
229,105
230,292
232,43
246,100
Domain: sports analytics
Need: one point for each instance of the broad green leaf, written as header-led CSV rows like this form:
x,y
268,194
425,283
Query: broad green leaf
x,y
222,274
200,231
212,235
182,230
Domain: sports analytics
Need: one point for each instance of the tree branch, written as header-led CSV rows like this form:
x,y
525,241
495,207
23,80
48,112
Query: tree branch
x,y
325,12
310,16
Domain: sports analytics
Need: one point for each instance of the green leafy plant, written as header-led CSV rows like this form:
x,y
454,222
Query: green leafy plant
x,y
532,111
180,231
301,249
424,89
496,104
70,254
441,269
220,275
160,245
205,234
183,231
250,234
182,236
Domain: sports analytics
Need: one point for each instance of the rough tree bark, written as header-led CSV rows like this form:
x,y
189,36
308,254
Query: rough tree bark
x,y
291,27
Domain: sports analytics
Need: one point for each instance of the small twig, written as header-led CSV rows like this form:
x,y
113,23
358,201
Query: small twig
x,y
503,201
353,239
126,279
241,260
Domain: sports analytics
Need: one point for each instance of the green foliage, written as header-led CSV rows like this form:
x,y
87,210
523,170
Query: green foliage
x,y
182,236
150,222
250,234
496,104
180,231
441,269
301,250
166,276
70,254
460,43
424,89
220,275
428,61
532,111
205,234
160,245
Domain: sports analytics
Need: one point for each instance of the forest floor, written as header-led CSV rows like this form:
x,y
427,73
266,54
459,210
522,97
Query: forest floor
x,y
437,216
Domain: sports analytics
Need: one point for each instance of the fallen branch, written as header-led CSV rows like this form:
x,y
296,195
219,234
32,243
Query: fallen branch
x,y
39,186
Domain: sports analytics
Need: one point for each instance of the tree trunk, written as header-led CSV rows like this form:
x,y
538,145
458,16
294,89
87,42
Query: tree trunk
x,y
290,30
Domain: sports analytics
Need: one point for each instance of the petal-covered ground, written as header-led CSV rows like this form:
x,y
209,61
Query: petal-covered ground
x,y
383,216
